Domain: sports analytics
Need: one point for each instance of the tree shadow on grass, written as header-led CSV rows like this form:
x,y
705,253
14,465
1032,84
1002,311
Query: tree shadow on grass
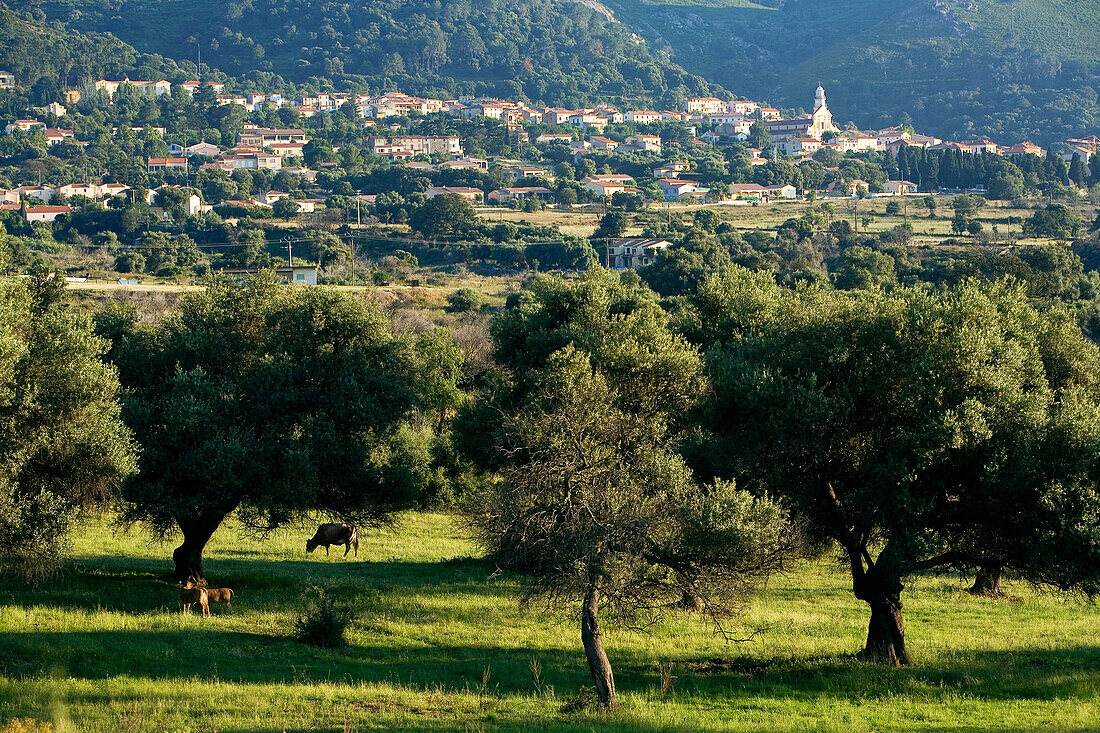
x,y
1018,674
195,653
109,583
199,650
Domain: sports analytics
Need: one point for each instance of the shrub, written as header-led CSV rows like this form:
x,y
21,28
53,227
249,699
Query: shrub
x,y
463,300
323,624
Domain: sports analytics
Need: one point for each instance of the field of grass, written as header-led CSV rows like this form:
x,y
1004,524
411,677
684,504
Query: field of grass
x,y
441,644
769,216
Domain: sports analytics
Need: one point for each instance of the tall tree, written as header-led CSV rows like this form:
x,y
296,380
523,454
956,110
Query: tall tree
x,y
267,400
63,445
592,503
887,421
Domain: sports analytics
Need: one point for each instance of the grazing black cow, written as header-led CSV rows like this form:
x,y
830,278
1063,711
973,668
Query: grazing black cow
x,y
334,534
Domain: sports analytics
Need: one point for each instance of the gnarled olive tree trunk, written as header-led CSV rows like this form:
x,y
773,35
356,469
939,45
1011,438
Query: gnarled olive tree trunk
x,y
690,598
886,630
197,531
987,581
598,664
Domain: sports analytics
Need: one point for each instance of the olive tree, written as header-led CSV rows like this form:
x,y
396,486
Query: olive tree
x,y
591,501
916,430
63,445
268,400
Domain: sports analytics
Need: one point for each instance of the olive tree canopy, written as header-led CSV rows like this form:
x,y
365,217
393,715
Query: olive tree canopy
x,y
268,400
917,430
591,501
63,445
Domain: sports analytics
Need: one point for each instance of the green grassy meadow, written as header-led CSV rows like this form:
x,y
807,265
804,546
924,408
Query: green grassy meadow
x,y
442,644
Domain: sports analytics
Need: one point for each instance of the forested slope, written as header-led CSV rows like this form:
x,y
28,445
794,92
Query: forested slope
x,y
45,56
33,48
545,50
1009,69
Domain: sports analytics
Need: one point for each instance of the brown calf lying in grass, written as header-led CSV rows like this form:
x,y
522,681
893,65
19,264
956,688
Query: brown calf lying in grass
x,y
191,594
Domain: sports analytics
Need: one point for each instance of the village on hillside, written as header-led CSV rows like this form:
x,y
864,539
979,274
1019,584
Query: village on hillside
x,y
707,120
711,151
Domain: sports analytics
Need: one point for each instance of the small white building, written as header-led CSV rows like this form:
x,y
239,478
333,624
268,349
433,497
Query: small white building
x,y
786,191
650,143
204,148
297,275
643,117
899,188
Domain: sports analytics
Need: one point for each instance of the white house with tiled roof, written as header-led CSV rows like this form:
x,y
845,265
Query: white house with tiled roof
x,y
643,117
1024,148
705,105
635,251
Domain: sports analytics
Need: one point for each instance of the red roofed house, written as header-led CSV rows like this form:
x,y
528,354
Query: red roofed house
x,y
55,135
899,188
504,195
470,194
24,125
160,164
643,117
1024,148
705,105
749,192
46,213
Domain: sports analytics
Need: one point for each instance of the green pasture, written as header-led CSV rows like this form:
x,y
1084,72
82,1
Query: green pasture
x,y
441,643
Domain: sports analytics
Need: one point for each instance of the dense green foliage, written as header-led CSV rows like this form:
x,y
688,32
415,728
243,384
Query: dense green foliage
x,y
45,56
593,504
63,446
916,430
560,53
274,401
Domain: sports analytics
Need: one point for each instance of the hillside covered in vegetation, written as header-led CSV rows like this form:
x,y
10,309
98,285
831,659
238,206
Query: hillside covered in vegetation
x,y
1008,69
46,56
557,53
